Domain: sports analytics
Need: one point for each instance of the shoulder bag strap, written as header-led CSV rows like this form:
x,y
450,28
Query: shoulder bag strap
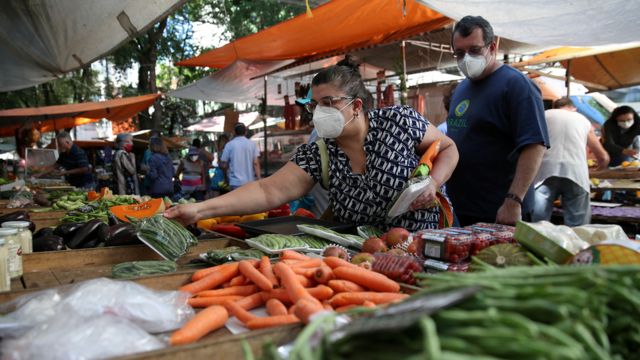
x,y
324,163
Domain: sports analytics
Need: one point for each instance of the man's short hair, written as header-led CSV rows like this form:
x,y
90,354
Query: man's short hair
x,y
468,24
562,102
63,135
240,128
196,142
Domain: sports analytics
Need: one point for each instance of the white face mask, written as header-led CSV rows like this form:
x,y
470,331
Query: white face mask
x,y
329,121
472,66
193,158
625,124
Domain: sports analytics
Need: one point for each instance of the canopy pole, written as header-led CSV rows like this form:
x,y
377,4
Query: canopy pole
x,y
403,81
568,78
264,119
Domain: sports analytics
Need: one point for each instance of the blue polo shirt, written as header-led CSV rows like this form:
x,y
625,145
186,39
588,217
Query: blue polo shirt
x,y
74,159
490,121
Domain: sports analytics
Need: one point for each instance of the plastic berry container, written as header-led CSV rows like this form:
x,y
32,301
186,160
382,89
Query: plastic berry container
x,y
481,240
432,266
503,237
446,246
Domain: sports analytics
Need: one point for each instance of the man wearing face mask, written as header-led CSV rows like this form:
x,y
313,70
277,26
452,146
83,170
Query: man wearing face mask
x,y
124,166
370,156
496,119
239,159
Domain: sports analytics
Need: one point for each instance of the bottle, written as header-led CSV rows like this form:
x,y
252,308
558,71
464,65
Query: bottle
x,y
24,234
15,251
5,279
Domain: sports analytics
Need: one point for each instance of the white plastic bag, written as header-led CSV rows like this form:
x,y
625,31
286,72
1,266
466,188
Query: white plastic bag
x,y
596,233
69,336
562,235
154,311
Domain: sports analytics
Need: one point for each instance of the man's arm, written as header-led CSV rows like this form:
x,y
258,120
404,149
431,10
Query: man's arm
x,y
527,168
80,170
598,150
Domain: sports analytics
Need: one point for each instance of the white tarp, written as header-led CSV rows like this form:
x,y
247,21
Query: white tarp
x,y
552,22
216,123
236,84
43,39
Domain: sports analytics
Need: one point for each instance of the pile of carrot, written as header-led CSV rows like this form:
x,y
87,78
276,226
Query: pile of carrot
x,y
293,289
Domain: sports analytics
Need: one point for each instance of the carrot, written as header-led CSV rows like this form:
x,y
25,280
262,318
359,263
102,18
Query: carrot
x,y
367,278
320,292
346,308
243,290
430,154
344,286
327,305
334,262
290,262
369,304
237,281
271,321
238,311
267,271
200,302
212,280
311,263
323,274
276,307
291,282
225,285
306,272
204,272
358,298
292,309
306,308
293,255
204,322
304,281
251,301
254,275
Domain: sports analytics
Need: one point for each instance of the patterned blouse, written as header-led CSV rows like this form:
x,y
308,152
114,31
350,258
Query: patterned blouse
x,y
363,199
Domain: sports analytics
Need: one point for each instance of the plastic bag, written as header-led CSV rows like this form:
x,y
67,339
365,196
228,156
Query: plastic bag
x,y
154,311
72,336
596,233
22,198
562,235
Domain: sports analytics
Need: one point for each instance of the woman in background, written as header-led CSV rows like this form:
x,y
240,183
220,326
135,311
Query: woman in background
x,y
621,135
161,171
124,166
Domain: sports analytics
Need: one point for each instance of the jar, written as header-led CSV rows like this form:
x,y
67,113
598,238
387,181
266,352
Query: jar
x,y
15,251
5,279
24,234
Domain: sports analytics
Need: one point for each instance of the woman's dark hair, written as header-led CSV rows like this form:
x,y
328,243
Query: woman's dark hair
x,y
468,24
346,76
156,145
622,110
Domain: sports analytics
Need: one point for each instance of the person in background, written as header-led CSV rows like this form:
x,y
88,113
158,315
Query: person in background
x,y
621,135
240,159
207,160
192,170
371,156
144,163
73,160
161,171
496,119
124,166
564,171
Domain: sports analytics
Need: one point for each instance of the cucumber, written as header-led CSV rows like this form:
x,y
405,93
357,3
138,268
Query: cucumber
x,y
142,268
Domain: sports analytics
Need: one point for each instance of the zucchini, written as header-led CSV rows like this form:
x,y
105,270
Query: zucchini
x,y
142,268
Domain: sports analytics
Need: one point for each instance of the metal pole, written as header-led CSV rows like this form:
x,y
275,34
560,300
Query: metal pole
x,y
568,78
403,82
264,119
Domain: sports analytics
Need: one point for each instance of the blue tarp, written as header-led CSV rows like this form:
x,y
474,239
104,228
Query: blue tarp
x,y
586,106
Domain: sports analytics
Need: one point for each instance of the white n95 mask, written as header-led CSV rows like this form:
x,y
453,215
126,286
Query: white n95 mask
x,y
329,121
625,124
472,66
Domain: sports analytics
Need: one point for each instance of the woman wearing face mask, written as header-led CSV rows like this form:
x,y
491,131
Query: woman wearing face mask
x,y
124,166
193,172
372,153
621,133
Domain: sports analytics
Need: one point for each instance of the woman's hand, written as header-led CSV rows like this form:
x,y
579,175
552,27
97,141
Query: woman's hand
x,y
184,213
426,200
630,152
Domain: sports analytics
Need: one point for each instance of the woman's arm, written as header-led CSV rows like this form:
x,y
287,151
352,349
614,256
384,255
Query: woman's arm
x,y
288,183
179,170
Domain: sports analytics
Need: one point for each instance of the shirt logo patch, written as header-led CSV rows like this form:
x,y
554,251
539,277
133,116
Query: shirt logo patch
x,y
462,108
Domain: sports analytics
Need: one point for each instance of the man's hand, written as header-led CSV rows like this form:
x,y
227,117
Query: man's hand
x,y
509,213
185,214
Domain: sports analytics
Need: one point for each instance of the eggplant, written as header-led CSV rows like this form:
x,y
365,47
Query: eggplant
x,y
19,215
102,233
48,243
68,230
48,231
122,234
32,226
91,243
113,220
85,234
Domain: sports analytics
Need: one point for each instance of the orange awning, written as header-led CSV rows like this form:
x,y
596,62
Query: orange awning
x,y
49,118
336,27
610,67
